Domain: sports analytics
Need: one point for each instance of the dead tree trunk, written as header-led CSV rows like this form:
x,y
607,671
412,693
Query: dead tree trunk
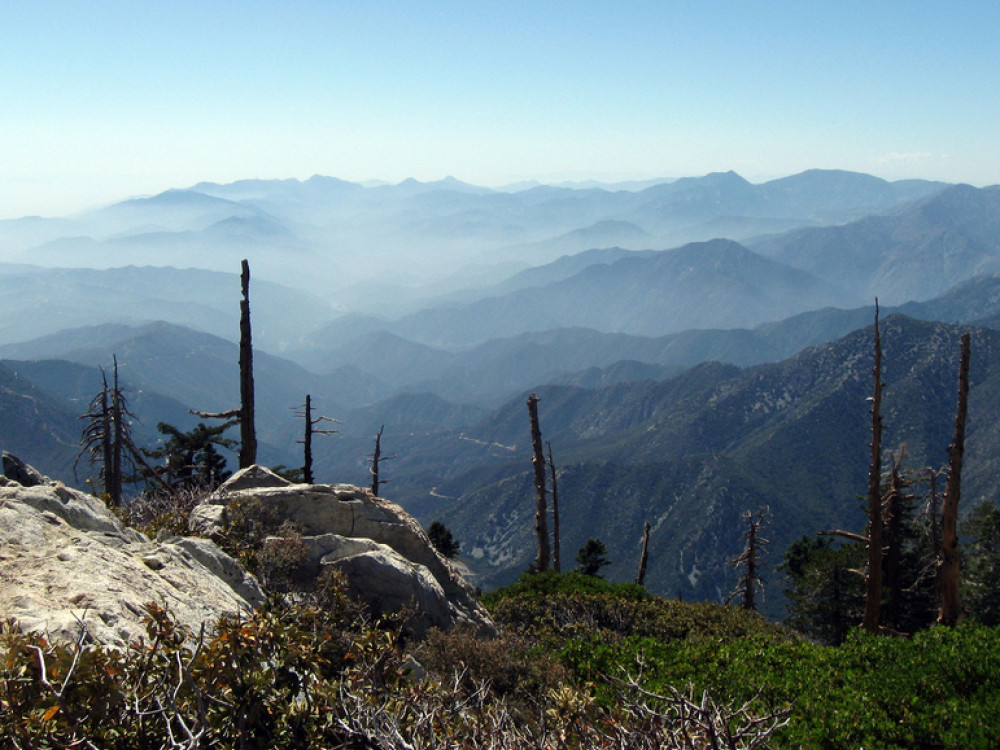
x,y
933,510
640,577
556,562
376,459
873,595
114,483
751,572
310,430
376,455
307,444
538,463
107,434
949,569
893,519
248,433
750,560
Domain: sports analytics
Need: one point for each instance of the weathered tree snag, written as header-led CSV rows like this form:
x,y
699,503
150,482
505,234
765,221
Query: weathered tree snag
x,y
556,562
933,511
948,570
750,560
245,414
873,595
307,451
751,578
892,521
376,455
107,437
845,534
311,429
376,458
538,463
114,480
640,576
248,433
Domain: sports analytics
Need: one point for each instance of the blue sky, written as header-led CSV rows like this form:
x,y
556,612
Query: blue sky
x,y
105,100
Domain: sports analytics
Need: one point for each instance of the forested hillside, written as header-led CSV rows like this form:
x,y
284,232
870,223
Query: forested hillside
x,y
692,453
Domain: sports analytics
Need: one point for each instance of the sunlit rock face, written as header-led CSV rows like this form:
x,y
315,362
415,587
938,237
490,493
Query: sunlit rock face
x,y
386,557
68,566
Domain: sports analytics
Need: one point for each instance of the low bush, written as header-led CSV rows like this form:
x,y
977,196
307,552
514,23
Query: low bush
x,y
555,607
316,673
158,510
284,679
514,666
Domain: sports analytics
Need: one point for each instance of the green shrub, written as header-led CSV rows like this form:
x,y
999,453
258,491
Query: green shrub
x,y
556,607
936,690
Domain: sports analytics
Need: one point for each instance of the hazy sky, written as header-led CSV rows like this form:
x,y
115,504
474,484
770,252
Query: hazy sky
x,y
104,100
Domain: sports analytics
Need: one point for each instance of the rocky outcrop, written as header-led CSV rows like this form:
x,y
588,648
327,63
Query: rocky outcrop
x,y
67,561
15,469
386,557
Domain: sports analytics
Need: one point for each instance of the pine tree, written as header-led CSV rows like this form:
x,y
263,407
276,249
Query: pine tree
x,y
981,579
590,559
826,587
190,459
443,540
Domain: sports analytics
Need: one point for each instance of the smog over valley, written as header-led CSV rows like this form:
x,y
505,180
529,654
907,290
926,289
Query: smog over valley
x,y
739,260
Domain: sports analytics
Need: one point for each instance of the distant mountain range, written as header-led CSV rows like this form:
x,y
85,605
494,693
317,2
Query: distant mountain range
x,y
168,370
37,426
913,253
35,302
326,235
604,266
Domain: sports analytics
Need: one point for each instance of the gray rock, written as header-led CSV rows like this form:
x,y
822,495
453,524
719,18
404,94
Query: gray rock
x,y
343,521
18,471
384,580
253,476
208,520
224,567
66,561
387,582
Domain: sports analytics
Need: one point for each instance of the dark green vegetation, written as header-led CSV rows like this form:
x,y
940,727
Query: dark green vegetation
x,y
579,663
934,690
590,559
443,540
